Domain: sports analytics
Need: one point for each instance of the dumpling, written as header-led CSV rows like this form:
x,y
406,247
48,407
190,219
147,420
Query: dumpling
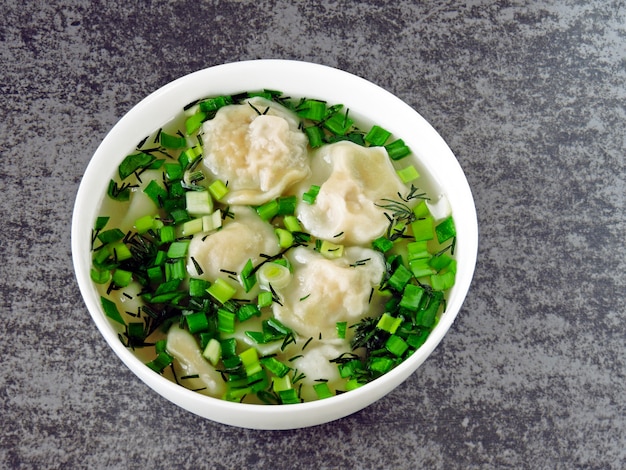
x,y
260,155
346,210
183,346
244,237
325,291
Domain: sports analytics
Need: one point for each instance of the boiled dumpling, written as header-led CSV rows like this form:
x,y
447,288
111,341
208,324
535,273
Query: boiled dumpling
x,y
324,291
346,209
183,346
244,237
259,155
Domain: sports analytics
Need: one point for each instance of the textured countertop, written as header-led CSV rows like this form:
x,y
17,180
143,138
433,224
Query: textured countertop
x,y
530,95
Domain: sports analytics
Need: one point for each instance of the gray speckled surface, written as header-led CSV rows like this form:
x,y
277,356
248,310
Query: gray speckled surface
x,y
530,96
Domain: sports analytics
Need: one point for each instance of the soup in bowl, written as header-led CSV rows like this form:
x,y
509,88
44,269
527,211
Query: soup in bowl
x,y
273,244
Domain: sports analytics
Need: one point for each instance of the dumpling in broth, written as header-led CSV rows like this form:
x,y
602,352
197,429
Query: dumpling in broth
x,y
244,237
346,209
325,291
258,148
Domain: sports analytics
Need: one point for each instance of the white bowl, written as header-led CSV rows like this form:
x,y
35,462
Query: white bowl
x,y
366,101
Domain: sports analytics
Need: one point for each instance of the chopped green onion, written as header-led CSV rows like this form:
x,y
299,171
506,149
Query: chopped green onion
x,y
250,361
197,322
256,336
411,297
347,369
286,205
193,122
193,226
210,105
180,216
397,149
160,346
265,299
212,222
440,261
274,274
423,229
218,189
160,362
281,383
331,250
134,162
314,110
122,278
173,171
101,222
198,203
322,390
168,286
388,323
172,141
188,156
377,136
418,250
100,276
445,230
258,382
421,210
155,192
110,236
221,291
420,267
382,365
315,135
248,276
277,325
178,249
120,251
118,193
111,311
311,194
145,223
292,224
176,269
248,311
338,123
427,316
289,397
341,329
382,244
176,191
229,347
408,174
353,384
285,238
198,287
155,274
268,210
213,351
441,281
225,320
275,366
167,234
400,278
417,340
396,345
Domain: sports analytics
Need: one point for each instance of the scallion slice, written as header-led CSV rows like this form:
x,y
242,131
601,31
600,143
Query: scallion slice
x,y
221,290
377,136
397,149
213,351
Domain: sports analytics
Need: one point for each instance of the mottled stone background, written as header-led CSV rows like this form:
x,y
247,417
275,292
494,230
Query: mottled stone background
x,y
531,97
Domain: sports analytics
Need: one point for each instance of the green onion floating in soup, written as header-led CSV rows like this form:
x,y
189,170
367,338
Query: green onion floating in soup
x,y
265,249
